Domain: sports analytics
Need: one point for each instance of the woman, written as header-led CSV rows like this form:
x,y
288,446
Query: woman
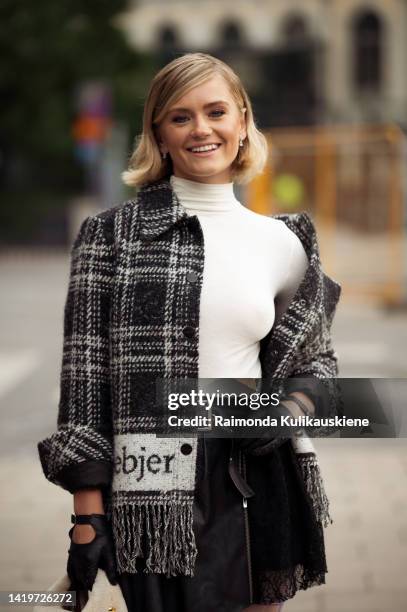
x,y
185,282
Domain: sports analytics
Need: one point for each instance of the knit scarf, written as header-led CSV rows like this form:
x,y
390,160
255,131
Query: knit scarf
x,y
156,477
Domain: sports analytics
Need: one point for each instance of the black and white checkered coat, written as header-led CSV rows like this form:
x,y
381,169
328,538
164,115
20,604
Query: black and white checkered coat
x,y
131,315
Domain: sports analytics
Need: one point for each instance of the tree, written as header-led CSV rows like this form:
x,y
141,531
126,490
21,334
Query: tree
x,y
46,50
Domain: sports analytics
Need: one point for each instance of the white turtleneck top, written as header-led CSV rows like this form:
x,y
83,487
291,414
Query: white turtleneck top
x,y
253,267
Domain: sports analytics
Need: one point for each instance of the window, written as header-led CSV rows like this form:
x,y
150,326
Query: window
x,y
230,34
167,37
367,51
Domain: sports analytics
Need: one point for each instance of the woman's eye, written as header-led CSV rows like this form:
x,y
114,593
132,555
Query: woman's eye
x,y
181,118
175,119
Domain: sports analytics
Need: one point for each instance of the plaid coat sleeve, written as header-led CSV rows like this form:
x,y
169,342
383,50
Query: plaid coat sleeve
x,y
79,453
315,369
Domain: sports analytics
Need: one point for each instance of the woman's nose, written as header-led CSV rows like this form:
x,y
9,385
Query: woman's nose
x,y
201,128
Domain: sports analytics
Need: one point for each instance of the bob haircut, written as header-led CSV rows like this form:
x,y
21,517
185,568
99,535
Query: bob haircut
x,y
168,85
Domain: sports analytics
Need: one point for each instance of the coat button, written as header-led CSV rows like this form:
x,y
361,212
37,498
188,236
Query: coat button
x,y
189,331
192,277
186,449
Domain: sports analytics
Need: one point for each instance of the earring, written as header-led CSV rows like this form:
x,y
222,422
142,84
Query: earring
x,y
241,144
164,155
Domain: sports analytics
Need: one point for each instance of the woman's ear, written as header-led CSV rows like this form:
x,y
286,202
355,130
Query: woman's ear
x,y
243,127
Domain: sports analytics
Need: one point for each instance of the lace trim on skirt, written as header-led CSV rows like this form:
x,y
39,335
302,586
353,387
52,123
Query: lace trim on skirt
x,y
274,586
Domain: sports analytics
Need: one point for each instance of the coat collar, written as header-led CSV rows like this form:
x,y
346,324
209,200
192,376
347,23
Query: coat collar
x,y
310,311
159,209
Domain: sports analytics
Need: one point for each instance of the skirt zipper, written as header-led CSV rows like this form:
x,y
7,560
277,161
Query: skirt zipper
x,y
247,530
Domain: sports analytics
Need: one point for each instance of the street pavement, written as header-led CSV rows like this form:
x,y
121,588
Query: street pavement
x,y
365,479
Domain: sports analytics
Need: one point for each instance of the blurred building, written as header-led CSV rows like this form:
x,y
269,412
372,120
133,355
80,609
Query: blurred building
x,y
303,62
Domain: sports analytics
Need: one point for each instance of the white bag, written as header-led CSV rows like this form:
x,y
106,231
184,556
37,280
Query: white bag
x,y
104,597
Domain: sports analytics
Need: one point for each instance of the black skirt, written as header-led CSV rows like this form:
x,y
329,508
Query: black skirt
x,y
287,545
220,583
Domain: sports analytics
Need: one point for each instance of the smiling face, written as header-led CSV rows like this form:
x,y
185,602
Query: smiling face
x,y
205,115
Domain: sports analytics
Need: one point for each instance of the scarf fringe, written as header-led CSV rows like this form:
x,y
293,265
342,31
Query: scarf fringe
x,y
314,485
169,536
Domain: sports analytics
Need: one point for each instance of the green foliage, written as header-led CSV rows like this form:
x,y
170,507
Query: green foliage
x,y
47,49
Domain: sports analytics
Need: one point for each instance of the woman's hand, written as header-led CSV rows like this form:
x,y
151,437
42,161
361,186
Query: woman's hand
x,y
87,554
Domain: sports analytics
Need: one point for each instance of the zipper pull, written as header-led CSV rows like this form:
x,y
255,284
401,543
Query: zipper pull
x,y
241,485
245,502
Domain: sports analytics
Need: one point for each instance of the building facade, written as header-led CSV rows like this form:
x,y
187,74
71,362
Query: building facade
x,y
303,62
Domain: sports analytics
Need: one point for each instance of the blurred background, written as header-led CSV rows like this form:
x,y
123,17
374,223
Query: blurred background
x,y
328,84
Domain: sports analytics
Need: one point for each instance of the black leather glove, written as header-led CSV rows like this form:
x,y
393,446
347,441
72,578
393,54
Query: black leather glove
x,y
269,438
85,559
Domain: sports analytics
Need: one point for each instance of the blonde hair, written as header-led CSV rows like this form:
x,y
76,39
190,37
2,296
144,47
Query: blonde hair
x,y
171,83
